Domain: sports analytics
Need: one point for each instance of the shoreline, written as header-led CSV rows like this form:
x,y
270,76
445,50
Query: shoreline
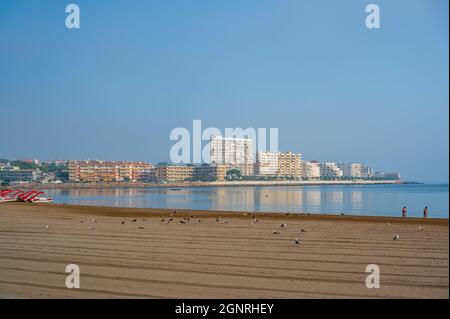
x,y
101,185
113,211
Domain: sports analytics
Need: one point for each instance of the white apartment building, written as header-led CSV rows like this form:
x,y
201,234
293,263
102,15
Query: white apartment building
x,y
355,170
234,152
282,164
330,170
266,164
310,169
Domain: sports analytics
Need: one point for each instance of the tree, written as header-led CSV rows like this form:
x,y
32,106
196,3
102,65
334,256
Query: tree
x,y
234,174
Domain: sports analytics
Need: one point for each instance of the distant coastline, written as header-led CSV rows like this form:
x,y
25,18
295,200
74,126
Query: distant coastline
x,y
101,185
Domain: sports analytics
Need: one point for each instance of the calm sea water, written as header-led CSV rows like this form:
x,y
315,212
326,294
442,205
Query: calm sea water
x,y
376,200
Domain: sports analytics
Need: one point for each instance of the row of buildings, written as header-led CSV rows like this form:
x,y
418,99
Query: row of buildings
x,y
226,154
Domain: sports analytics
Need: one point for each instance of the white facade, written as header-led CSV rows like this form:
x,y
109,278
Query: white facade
x,y
233,152
310,170
282,164
330,170
266,164
355,170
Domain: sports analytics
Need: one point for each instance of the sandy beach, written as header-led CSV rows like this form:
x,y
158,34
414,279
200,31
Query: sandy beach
x,y
132,253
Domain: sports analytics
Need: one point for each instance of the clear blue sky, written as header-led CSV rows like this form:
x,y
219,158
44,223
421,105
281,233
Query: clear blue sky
x,y
115,88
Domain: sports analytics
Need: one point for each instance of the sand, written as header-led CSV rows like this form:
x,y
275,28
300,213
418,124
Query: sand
x,y
208,259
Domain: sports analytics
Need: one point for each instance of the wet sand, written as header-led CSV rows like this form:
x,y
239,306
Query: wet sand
x,y
229,258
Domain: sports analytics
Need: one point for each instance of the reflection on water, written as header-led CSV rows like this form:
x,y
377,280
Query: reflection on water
x,y
353,200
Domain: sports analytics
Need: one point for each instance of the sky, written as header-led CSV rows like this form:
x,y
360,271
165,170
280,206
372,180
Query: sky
x,y
337,91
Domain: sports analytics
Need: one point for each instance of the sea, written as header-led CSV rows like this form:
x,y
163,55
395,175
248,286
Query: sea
x,y
369,200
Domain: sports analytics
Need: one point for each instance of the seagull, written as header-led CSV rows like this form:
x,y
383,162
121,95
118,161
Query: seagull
x,y
283,225
275,232
396,237
296,241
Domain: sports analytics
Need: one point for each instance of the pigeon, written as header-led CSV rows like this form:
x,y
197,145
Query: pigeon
x,y
275,232
283,225
296,241
396,237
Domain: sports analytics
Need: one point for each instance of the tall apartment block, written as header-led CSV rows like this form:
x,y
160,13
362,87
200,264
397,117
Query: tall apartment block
x,y
278,164
233,152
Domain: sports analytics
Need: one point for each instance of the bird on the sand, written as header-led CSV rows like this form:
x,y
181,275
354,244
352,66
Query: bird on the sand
x,y
93,220
283,225
182,221
46,226
224,221
302,230
420,228
296,241
134,220
81,222
91,228
123,222
275,232
397,237
140,227
217,219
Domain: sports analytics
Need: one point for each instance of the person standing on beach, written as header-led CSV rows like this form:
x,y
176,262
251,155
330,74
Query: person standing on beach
x,y
425,213
404,210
